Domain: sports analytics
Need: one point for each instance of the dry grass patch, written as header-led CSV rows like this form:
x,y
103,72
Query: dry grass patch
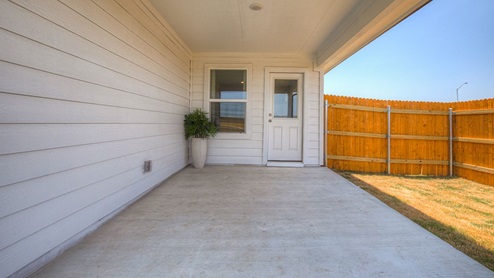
x,y
459,211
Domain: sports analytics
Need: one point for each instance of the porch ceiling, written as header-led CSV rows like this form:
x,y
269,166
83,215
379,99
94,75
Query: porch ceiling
x,y
328,30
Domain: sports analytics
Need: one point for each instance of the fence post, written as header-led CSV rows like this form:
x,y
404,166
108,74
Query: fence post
x,y
450,114
389,139
326,106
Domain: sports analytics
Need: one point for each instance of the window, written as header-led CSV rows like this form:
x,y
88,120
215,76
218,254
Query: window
x,y
285,98
228,99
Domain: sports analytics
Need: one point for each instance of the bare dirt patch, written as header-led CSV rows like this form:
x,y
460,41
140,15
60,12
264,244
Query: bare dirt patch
x,y
459,211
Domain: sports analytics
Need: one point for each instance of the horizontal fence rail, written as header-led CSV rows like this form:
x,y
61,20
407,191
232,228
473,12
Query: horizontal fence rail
x,y
411,137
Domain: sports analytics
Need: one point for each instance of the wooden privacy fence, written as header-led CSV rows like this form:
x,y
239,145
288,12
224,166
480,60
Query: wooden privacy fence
x,y
413,138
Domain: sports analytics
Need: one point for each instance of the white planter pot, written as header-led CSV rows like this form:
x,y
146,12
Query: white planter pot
x,y
199,152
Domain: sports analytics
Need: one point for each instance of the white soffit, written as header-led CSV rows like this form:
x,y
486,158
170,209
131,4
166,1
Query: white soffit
x,y
319,28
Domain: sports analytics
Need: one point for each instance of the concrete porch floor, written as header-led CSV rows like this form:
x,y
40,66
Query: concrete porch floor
x,y
242,221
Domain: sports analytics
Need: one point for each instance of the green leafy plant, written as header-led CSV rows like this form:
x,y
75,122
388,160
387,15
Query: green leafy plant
x,y
198,125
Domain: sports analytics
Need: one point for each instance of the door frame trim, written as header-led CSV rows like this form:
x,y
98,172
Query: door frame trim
x,y
267,75
285,155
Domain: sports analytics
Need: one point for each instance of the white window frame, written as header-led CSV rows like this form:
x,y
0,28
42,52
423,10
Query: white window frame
x,y
207,100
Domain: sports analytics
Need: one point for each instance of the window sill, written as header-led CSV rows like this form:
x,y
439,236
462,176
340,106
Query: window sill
x,y
228,135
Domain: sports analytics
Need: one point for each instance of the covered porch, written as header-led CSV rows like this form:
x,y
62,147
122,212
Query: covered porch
x,y
92,91
250,221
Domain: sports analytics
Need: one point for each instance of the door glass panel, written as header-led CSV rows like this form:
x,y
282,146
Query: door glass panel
x,y
285,98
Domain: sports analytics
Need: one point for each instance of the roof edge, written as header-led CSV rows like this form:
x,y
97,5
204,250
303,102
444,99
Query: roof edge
x,y
335,52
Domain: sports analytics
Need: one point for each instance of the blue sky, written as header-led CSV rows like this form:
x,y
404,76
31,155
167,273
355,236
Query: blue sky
x,y
425,57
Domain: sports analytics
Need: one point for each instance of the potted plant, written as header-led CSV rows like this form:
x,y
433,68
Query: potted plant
x,y
198,126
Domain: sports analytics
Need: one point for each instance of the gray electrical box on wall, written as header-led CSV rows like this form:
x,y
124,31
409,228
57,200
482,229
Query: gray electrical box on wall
x,y
148,166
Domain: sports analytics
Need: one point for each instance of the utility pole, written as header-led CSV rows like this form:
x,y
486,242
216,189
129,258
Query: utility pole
x,y
458,89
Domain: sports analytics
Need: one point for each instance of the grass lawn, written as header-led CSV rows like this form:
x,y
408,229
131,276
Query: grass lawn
x,y
459,211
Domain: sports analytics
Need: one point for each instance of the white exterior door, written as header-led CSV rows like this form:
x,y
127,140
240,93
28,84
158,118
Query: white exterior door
x,y
285,117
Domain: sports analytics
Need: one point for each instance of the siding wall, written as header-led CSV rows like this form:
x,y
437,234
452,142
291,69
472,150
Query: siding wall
x,y
250,150
89,90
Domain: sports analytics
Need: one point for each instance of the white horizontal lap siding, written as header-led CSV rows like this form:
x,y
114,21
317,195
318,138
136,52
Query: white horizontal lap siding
x,y
250,150
313,143
89,90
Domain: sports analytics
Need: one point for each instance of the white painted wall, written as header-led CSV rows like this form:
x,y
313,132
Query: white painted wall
x,y
89,90
249,149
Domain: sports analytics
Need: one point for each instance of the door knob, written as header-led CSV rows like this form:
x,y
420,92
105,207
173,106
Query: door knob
x,y
270,120
270,114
